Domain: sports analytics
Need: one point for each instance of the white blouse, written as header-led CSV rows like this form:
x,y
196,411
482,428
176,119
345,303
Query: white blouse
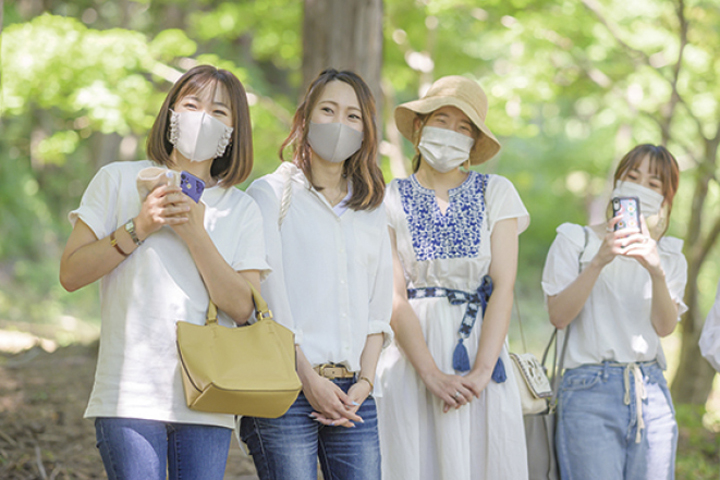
x,y
614,324
710,338
332,274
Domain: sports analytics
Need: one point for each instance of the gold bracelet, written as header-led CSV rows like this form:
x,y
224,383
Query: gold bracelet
x,y
372,387
114,243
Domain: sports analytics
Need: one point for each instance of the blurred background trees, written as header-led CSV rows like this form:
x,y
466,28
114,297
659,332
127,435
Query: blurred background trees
x,y
573,85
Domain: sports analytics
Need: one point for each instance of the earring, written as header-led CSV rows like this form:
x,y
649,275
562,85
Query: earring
x,y
224,142
173,130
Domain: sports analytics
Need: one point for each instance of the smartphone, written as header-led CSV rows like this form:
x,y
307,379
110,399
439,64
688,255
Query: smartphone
x,y
191,185
629,209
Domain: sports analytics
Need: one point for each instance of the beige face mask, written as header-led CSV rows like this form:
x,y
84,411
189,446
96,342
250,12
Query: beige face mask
x,y
334,142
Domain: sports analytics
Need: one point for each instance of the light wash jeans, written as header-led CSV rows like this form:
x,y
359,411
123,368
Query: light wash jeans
x,y
287,448
599,435
134,449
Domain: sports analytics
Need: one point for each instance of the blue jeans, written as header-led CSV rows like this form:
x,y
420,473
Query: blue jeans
x,y
601,437
143,449
287,448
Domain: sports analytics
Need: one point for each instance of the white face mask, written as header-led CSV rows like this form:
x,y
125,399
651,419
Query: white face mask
x,y
650,200
334,142
443,149
198,136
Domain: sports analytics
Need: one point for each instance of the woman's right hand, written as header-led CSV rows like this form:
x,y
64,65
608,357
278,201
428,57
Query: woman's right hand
x,y
162,206
613,243
332,406
446,387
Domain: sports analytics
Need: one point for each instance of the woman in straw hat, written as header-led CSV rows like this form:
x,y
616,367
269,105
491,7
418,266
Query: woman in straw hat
x,y
450,405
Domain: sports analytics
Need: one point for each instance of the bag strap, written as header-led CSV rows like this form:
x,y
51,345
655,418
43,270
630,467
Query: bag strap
x,y
557,369
262,311
286,197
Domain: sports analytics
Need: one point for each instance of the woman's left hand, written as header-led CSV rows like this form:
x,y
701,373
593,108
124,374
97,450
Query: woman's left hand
x,y
196,218
358,393
643,248
476,381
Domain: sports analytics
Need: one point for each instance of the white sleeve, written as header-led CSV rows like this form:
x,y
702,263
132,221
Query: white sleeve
x,y
273,287
250,247
504,202
563,263
381,296
710,337
98,207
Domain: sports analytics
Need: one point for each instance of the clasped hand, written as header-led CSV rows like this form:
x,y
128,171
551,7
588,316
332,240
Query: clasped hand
x,y
332,406
455,390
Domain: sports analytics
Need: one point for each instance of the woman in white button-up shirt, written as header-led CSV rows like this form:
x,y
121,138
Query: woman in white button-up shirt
x,y
329,249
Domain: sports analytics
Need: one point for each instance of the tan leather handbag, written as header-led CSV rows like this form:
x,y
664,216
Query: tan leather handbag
x,y
248,370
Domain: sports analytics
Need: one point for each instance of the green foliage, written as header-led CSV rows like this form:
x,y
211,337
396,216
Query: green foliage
x,y
698,447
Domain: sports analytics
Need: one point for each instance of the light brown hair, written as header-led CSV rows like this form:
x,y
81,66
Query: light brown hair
x,y
662,164
368,185
235,164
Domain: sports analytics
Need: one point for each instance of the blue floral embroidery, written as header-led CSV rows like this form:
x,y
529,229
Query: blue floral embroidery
x,y
456,234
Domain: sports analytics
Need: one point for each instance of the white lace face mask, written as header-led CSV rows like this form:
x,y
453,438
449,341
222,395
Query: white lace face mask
x,y
198,136
334,142
650,200
444,150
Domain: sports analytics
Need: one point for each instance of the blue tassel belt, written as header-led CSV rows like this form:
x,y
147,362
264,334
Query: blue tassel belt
x,y
476,300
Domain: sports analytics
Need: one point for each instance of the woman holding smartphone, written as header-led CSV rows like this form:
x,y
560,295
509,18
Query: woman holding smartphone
x,y
160,258
331,283
614,293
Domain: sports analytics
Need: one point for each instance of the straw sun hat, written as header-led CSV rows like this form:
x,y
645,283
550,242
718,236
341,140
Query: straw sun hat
x,y
454,91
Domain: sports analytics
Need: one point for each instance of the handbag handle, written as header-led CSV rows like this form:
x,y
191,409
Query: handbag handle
x,y
262,311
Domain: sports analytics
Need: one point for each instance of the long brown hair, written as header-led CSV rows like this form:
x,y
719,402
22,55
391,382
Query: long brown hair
x,y
235,164
662,164
368,186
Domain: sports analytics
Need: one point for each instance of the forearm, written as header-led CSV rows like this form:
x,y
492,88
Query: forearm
x,y
409,336
664,310
564,307
87,259
494,330
228,288
370,356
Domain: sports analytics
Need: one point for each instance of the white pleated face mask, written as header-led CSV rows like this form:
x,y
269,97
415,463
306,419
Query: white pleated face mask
x,y
334,142
650,200
198,136
443,149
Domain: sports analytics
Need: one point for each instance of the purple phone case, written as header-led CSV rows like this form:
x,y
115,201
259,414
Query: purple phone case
x,y
191,185
629,208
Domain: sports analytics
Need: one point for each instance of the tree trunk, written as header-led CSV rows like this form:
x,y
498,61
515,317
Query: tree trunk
x,y
345,35
693,379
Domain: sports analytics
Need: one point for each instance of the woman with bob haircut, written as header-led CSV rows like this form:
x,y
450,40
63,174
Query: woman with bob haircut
x,y
331,284
161,258
614,291
450,407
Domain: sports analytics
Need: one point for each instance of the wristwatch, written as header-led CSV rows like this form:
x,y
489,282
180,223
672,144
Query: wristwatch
x,y
130,228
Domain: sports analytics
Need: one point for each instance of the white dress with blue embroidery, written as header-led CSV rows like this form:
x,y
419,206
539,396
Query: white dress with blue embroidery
x,y
482,440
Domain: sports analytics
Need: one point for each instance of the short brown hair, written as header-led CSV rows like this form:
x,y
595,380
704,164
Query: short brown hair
x,y
368,185
235,164
662,163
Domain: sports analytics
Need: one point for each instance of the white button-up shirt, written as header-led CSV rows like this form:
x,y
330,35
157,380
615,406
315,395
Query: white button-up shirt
x,y
332,274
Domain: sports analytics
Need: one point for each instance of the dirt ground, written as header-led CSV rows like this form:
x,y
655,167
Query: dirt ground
x,y
42,432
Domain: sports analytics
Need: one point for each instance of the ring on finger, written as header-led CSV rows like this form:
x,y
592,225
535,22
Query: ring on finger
x,y
457,395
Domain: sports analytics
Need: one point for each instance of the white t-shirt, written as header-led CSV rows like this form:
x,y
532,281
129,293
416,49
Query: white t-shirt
x,y
614,324
141,300
332,274
710,337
